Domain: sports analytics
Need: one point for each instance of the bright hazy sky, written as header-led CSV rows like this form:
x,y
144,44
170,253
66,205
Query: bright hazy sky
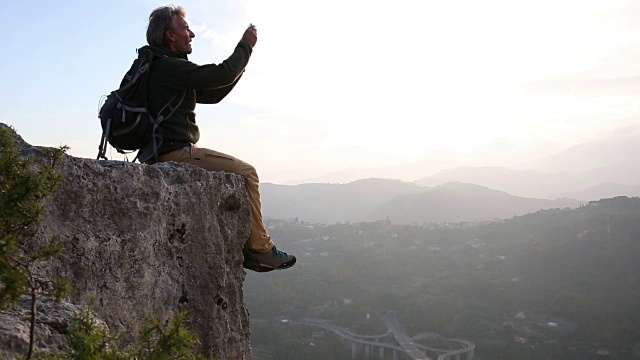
x,y
335,84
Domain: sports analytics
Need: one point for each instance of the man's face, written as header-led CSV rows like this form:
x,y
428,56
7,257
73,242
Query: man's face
x,y
179,38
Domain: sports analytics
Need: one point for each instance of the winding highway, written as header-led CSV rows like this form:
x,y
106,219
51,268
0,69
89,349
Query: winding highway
x,y
405,344
401,336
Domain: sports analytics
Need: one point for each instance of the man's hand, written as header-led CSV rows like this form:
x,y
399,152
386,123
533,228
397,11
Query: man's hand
x,y
250,36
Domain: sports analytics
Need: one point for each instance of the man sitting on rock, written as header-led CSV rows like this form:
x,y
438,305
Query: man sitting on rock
x,y
171,74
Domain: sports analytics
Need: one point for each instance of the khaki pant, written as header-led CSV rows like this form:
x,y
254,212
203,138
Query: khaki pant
x,y
217,161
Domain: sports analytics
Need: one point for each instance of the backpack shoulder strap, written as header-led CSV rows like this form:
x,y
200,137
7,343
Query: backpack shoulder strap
x,y
171,106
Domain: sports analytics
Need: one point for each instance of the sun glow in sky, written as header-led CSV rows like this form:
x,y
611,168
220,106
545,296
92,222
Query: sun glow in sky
x,y
335,84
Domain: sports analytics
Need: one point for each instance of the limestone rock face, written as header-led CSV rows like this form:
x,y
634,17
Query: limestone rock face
x,y
51,326
150,240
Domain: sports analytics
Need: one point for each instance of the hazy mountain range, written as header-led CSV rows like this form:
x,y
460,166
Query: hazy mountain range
x,y
621,147
459,202
579,172
613,158
584,185
605,168
330,203
401,202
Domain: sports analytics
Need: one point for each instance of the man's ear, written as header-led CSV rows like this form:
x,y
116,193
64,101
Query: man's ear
x,y
169,36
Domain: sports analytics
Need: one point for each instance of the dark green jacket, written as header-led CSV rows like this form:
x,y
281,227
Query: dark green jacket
x,y
172,73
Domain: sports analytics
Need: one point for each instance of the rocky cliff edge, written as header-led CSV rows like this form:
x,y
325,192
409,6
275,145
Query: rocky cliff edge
x,y
145,241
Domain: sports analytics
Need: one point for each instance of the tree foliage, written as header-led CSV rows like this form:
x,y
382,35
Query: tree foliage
x,y
574,267
168,341
90,340
24,185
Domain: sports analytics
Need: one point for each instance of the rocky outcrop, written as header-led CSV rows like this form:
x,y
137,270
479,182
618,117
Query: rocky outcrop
x,y
50,329
148,241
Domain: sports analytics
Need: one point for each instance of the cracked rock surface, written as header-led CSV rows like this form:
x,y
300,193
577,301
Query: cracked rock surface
x,y
149,241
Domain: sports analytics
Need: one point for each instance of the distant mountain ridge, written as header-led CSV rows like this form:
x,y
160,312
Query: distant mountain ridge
x,y
517,182
330,203
460,202
603,168
402,202
602,191
612,158
540,185
610,149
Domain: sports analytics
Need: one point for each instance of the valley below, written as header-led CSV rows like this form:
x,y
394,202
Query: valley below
x,y
559,283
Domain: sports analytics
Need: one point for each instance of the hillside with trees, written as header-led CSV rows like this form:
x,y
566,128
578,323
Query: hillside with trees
x,y
554,284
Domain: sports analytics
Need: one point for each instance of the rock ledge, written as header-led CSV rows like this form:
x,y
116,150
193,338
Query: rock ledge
x,y
146,240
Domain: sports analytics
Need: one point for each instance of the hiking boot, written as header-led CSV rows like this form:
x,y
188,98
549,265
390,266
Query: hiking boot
x,y
274,259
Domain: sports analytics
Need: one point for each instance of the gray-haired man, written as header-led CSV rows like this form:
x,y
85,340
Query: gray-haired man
x,y
171,73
